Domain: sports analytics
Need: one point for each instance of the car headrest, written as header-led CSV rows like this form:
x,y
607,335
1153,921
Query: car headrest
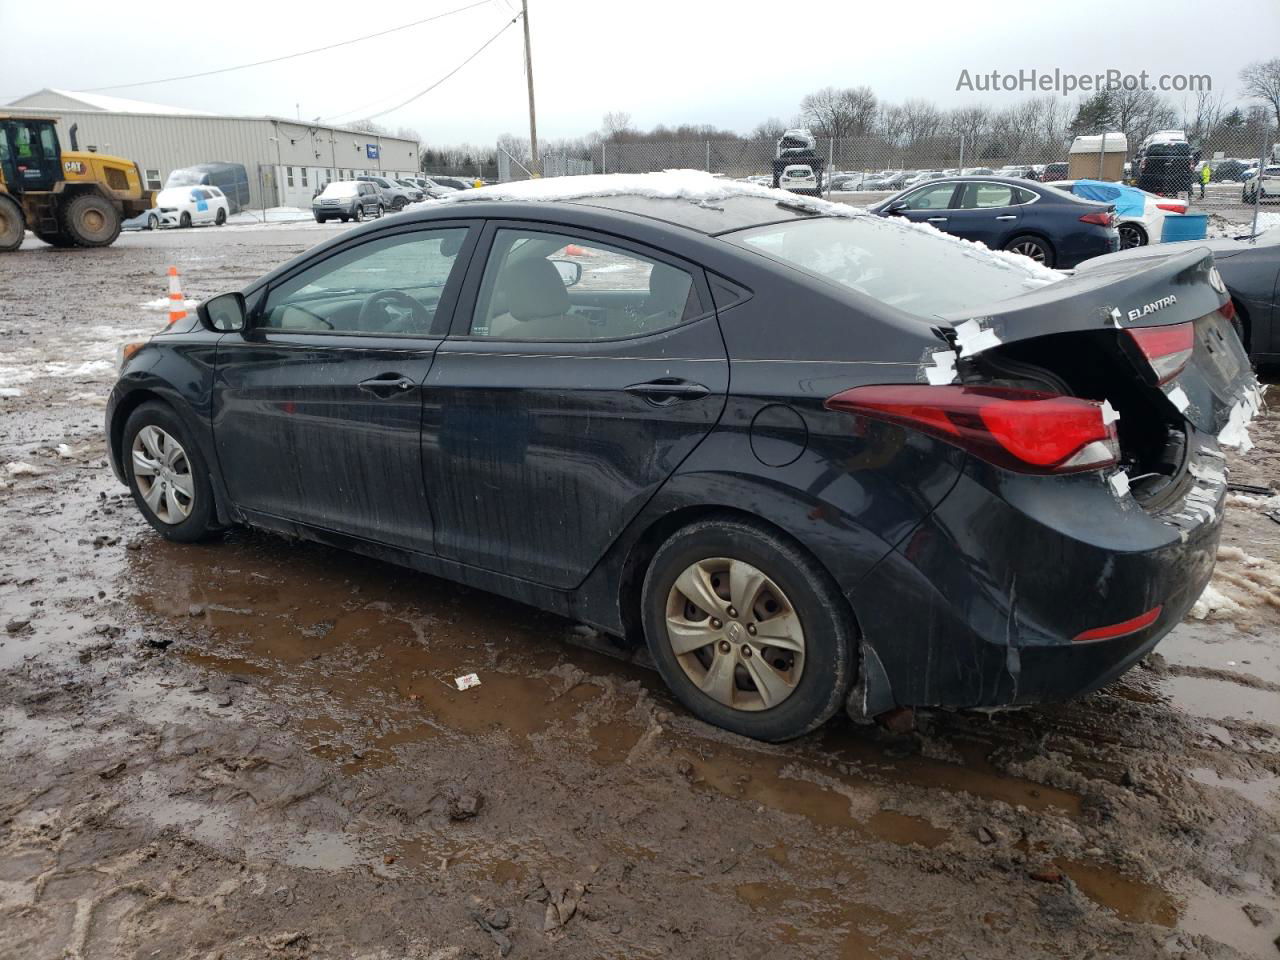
x,y
452,243
534,289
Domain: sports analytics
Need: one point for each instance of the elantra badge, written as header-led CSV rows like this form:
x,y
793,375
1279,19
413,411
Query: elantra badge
x,y
1137,313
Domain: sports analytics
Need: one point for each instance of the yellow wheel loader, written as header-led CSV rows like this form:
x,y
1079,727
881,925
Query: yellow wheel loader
x,y
72,199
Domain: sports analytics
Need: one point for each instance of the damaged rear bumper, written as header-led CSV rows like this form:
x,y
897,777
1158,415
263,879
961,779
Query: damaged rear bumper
x,y
996,591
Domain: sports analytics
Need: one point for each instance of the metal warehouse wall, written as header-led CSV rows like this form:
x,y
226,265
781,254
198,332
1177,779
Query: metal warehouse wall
x,y
166,142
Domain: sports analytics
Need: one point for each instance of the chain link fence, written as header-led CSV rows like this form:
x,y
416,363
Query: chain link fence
x,y
866,169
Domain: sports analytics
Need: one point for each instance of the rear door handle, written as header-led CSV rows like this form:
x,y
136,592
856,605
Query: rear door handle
x,y
386,385
668,390
937,219
1008,216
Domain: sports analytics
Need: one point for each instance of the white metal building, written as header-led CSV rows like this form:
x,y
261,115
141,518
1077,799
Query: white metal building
x,y
286,160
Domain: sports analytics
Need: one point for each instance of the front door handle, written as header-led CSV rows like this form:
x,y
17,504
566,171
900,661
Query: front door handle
x,y
386,385
668,390
937,219
1008,216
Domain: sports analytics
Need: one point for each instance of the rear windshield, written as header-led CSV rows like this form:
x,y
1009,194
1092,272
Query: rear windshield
x,y
900,265
344,189
184,178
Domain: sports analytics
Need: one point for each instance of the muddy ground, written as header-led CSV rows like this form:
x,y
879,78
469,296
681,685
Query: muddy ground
x,y
254,749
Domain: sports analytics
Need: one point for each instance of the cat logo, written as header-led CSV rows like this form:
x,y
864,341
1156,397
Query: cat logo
x,y
73,166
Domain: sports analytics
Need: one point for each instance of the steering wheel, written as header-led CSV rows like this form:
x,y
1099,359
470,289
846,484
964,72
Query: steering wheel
x,y
373,315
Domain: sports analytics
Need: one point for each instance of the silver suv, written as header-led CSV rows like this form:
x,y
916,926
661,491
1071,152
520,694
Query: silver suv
x,y
394,195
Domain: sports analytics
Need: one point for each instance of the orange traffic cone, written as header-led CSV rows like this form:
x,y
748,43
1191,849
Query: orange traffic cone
x,y
177,304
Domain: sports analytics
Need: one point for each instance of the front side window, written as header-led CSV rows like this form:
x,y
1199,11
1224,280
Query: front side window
x,y
935,197
389,286
550,286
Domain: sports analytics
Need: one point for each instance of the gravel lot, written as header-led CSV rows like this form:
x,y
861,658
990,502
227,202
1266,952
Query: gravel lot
x,y
253,748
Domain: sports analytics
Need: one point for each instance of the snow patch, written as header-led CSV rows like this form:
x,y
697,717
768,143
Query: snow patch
x,y
162,303
1236,433
943,368
972,337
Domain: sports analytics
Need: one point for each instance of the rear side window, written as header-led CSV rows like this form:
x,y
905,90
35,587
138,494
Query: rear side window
x,y
975,196
885,260
550,286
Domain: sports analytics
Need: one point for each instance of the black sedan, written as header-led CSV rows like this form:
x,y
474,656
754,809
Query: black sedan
x,y
1005,213
767,439
1250,268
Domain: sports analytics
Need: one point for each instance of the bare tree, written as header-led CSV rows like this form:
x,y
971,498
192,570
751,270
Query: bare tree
x,y
771,128
840,113
921,120
1202,116
1262,80
616,125
973,124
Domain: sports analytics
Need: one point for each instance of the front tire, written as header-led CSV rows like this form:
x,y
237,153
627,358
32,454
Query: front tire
x,y
91,221
185,219
774,670
153,222
360,214
1033,247
12,225
382,211
167,474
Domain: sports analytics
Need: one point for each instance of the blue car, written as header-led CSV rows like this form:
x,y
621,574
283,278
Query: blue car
x,y
1049,226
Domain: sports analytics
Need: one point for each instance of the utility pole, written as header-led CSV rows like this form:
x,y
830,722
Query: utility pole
x,y
528,67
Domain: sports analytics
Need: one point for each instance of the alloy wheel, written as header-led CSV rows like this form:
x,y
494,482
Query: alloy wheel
x,y
163,475
1029,248
735,634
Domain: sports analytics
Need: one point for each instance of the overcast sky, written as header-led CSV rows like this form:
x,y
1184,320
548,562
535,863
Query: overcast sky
x,y
730,64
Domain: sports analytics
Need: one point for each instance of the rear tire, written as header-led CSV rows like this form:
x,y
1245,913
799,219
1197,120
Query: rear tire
x,y
769,692
1132,235
167,474
1032,247
12,225
91,221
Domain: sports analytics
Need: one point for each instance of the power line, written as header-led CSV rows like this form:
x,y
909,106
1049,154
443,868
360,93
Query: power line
x,y
424,92
291,56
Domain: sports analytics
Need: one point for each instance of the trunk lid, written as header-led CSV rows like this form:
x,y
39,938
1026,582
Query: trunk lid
x,y
1216,391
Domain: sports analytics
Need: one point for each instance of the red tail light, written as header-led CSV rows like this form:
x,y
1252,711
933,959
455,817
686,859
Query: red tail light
x,y
1140,622
1101,219
1173,207
1228,310
1167,349
1022,430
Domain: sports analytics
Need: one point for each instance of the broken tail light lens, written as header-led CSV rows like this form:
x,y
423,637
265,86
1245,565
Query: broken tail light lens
x,y
1167,349
1023,430
1101,219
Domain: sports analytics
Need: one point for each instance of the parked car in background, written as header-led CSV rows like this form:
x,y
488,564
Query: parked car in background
x,y
231,178
886,180
1164,164
432,189
849,181
456,183
1054,171
1229,170
786,512
416,192
1262,186
394,196
347,200
1050,226
917,177
978,172
147,220
1139,215
1018,171
798,177
1250,270
186,206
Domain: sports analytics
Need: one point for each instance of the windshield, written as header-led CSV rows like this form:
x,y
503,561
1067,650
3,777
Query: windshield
x,y
344,189
183,178
885,260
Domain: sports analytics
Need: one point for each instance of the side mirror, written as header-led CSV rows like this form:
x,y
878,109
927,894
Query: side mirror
x,y
898,206
224,313
570,271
